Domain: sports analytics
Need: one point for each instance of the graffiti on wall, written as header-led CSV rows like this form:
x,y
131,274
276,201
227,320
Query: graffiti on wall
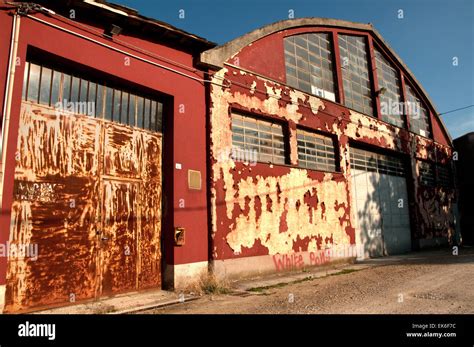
x,y
270,210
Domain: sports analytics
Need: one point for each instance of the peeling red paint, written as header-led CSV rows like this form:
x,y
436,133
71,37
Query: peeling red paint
x,y
94,220
297,110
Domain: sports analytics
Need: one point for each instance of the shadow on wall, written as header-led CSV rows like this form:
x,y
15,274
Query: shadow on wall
x,y
435,213
382,212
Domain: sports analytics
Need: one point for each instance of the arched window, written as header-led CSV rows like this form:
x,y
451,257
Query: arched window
x,y
390,96
417,113
309,64
355,74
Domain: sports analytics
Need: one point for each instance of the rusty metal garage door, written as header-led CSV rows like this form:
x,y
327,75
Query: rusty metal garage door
x,y
380,203
88,194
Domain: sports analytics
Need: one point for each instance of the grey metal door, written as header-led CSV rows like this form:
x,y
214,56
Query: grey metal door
x,y
380,203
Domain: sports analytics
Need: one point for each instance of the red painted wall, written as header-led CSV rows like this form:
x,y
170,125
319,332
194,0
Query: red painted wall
x,y
266,57
271,61
188,133
5,29
439,134
249,93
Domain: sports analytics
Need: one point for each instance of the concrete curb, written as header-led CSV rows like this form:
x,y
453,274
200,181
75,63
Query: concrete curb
x,y
156,305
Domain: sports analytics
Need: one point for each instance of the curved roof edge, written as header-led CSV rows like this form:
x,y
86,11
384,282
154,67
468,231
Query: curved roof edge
x,y
217,56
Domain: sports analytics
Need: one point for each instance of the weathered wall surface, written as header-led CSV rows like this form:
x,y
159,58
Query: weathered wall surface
x,y
282,209
88,198
184,119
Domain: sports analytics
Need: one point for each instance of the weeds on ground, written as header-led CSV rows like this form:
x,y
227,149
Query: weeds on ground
x,y
209,284
104,309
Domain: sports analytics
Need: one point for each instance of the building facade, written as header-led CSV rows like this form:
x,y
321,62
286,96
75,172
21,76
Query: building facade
x,y
136,155
96,126
337,146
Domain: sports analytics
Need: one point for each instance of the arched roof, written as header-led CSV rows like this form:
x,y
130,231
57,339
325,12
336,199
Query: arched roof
x,y
217,56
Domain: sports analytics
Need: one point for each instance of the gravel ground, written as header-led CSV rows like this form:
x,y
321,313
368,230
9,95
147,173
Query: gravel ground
x,y
429,284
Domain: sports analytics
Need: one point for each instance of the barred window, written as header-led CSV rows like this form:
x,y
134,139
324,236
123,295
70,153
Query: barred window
x,y
417,113
444,175
427,173
49,87
263,137
315,151
390,99
375,162
309,67
355,74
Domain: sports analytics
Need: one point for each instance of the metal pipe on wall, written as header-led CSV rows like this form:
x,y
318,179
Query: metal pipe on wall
x,y
8,96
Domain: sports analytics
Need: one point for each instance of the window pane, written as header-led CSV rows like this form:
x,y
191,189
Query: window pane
x,y
159,119
75,85
355,73
132,110
83,90
45,89
66,96
374,162
55,87
124,112
445,176
109,103
25,81
153,115
314,70
140,108
417,113
117,105
47,86
316,152
91,98
256,138
390,99
99,105
146,114
33,84
426,173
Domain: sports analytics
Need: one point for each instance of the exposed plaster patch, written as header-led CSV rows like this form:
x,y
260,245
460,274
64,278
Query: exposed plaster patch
x,y
293,187
362,126
249,226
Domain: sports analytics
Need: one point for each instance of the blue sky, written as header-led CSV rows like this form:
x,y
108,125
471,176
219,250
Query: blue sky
x,y
430,34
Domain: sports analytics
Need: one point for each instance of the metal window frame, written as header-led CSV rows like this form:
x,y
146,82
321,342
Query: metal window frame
x,y
330,60
158,127
382,61
346,75
320,163
411,93
427,173
370,161
444,175
281,159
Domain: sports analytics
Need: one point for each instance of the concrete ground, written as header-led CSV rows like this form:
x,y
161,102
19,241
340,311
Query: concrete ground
x,y
421,282
124,303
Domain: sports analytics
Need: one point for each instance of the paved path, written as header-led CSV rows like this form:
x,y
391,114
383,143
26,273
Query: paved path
x,y
423,282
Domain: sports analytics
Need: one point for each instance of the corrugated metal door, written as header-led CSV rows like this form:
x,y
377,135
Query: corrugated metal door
x,y
380,203
88,195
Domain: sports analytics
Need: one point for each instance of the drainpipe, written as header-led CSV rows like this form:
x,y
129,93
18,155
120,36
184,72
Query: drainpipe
x,y
8,96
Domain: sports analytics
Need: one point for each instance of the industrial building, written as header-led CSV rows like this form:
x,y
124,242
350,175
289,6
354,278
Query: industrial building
x,y
137,156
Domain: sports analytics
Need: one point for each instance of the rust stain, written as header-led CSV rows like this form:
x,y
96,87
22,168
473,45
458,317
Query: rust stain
x,y
88,194
289,221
